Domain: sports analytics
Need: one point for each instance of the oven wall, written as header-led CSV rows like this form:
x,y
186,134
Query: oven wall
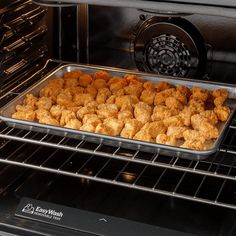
x,y
111,30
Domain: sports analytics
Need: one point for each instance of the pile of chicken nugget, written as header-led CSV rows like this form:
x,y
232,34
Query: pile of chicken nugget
x,y
129,107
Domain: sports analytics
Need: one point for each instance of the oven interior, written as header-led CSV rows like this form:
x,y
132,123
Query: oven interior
x,y
162,192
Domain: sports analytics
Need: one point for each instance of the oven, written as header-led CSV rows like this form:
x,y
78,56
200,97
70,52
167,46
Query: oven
x,y
78,187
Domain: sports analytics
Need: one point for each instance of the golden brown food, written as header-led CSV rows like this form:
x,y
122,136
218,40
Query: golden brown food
x,y
81,99
222,112
107,111
85,80
66,116
73,124
142,112
131,127
102,95
129,107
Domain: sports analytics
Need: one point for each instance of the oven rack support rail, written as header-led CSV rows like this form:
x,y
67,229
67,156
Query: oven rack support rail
x,y
219,170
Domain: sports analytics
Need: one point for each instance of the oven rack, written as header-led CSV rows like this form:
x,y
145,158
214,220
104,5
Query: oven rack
x,y
214,175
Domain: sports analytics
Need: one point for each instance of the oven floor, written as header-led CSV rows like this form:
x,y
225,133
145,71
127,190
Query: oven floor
x,y
135,206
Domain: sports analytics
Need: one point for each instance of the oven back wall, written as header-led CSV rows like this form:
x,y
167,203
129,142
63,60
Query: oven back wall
x,y
112,30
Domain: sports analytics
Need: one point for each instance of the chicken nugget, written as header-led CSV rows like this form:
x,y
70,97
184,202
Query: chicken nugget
x,y
174,121
134,88
199,94
85,80
183,90
148,96
107,110
161,112
115,124
73,124
194,144
102,95
81,99
154,128
99,83
210,116
194,135
85,110
91,90
142,112
88,127
111,99
162,85
220,93
48,120
172,102
143,136
56,111
73,74
222,113
176,131
70,82
64,98
66,116
91,119
104,129
30,101
125,115
132,126
44,103
104,75
28,115
165,139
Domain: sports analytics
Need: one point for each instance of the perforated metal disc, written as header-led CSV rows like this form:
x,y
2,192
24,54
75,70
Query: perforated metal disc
x,y
166,48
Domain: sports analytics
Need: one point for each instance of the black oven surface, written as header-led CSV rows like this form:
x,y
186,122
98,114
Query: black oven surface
x,y
167,216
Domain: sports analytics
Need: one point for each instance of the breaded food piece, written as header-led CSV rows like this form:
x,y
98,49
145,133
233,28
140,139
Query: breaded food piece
x,y
134,88
193,135
44,103
220,93
143,136
117,85
23,108
115,124
85,80
165,139
56,111
85,110
222,113
186,114
102,75
114,80
88,127
107,110
91,90
73,124
162,85
199,94
142,112
111,99
91,119
50,92
194,144
73,74
173,103
30,101
102,95
132,126
64,98
126,101
196,106
148,96
74,90
104,129
210,116
73,108
176,131
183,90
174,121
161,97
148,85
118,93
66,116
125,115
132,78
24,115
219,101
57,82
154,128
99,83
70,82
181,97
161,112
48,120
201,124
41,113
81,99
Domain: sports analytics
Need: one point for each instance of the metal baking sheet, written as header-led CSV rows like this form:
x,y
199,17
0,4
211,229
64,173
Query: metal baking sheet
x,y
9,109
